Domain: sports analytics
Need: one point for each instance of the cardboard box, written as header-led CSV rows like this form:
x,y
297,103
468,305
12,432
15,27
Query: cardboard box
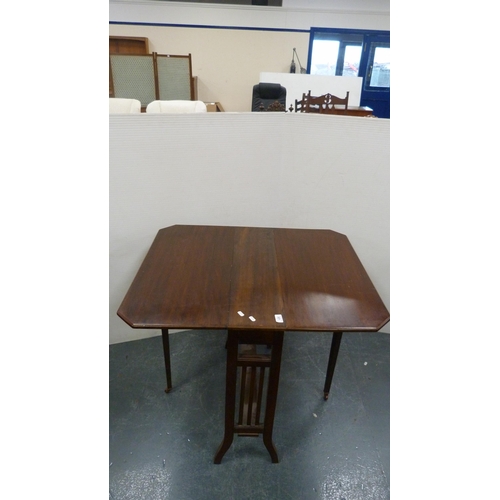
x,y
214,106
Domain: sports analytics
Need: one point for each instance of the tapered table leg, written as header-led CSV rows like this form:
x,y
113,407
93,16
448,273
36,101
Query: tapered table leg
x,y
332,361
166,355
272,395
231,374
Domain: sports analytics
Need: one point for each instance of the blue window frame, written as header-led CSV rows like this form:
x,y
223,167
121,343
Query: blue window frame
x,y
361,53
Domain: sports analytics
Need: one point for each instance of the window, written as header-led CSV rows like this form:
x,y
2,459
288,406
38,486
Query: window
x,y
380,75
352,57
336,54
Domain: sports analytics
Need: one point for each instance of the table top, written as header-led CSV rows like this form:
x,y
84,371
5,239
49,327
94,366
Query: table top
x,y
220,277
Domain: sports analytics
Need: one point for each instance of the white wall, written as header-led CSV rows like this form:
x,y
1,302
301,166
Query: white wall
x,y
335,5
260,169
228,62
294,14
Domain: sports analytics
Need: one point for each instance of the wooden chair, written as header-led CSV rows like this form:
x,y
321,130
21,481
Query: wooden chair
x,y
321,104
307,104
330,103
311,103
299,105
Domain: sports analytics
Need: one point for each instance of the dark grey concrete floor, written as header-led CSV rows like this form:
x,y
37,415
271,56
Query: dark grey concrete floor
x,y
162,446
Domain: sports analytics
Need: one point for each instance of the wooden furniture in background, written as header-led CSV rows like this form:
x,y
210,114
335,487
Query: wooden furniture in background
x,y
329,104
150,77
174,77
326,103
128,45
256,283
134,77
355,111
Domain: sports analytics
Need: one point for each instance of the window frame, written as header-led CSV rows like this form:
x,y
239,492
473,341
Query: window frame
x,y
345,37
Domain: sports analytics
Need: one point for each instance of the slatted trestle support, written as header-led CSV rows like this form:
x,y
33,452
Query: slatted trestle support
x,y
258,387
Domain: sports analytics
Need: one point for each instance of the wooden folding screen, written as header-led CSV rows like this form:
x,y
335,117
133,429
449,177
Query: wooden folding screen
x,y
133,77
149,77
126,45
174,77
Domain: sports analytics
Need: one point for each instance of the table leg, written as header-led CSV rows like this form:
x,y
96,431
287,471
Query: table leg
x,y
231,374
332,361
253,368
166,355
272,396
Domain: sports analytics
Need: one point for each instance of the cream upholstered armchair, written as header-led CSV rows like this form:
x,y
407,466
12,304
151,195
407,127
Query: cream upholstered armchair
x,y
119,105
176,106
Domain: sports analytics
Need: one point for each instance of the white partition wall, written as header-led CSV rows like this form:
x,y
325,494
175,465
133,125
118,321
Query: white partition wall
x,y
259,169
